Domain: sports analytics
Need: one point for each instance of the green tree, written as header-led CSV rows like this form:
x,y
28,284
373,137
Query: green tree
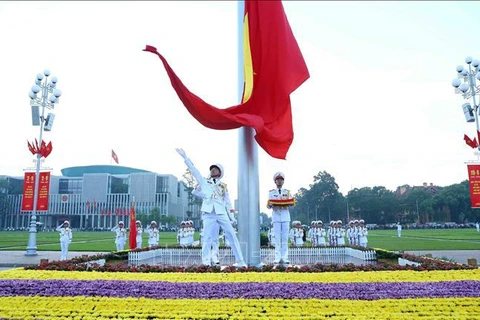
x,y
319,201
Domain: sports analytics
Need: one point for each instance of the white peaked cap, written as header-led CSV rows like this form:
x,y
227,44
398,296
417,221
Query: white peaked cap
x,y
220,167
278,174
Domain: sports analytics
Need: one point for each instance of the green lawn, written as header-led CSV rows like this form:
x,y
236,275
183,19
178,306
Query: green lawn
x,y
425,239
411,240
82,241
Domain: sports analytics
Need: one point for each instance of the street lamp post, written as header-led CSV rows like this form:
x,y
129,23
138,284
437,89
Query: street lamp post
x,y
469,89
43,86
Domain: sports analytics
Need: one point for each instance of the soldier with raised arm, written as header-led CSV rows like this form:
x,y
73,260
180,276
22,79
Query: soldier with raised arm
x,y
216,208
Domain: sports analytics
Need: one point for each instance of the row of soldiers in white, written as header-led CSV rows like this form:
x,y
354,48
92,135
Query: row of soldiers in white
x,y
356,234
121,235
185,234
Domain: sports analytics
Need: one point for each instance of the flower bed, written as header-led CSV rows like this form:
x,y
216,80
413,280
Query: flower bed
x,y
84,264
80,289
33,294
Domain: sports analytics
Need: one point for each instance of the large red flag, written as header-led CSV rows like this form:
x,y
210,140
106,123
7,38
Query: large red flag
x,y
133,228
274,68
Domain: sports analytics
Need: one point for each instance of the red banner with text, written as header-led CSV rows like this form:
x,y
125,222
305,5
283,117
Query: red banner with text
x,y
29,188
474,182
43,191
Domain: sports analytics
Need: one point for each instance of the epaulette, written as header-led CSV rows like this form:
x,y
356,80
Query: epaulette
x,y
272,190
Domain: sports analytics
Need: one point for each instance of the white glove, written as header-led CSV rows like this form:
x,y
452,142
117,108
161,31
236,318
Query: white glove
x,y
181,152
233,221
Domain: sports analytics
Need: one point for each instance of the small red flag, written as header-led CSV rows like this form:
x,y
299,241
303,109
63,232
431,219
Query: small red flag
x,y
133,228
48,149
114,156
31,148
473,144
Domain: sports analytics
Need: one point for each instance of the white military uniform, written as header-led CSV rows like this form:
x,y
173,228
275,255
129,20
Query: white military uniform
x,y
121,237
215,251
65,239
181,235
281,221
296,236
362,236
153,236
340,233
321,233
216,207
139,236
399,229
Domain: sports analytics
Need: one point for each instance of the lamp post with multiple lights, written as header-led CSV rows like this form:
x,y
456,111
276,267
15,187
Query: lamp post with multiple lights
x,y
43,94
465,84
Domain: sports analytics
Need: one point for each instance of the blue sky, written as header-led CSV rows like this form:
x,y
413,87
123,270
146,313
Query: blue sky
x,y
378,109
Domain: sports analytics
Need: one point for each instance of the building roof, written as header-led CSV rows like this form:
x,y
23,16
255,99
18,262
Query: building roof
x,y
110,169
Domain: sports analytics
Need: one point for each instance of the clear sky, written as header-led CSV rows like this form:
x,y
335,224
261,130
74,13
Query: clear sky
x,y
378,110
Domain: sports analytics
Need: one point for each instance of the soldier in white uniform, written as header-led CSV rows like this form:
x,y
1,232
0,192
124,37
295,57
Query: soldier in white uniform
x,y
312,233
153,234
350,233
362,234
216,208
121,235
321,233
65,238
139,239
280,217
181,238
340,233
356,228
296,234
399,229
191,233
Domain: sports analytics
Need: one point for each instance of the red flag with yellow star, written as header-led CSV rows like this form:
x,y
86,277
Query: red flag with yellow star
x,y
274,67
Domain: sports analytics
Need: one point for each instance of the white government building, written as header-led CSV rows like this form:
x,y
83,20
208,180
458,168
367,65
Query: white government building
x,y
98,196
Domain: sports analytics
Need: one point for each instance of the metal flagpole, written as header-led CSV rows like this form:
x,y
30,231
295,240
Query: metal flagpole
x,y
248,181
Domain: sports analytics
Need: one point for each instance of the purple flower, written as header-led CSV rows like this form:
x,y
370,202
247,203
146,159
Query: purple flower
x,y
203,290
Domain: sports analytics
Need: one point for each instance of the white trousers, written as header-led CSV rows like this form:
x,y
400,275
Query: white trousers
x,y
64,248
139,242
210,230
281,230
215,244
120,245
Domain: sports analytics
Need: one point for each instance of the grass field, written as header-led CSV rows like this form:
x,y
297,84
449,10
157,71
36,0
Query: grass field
x,y
82,241
411,240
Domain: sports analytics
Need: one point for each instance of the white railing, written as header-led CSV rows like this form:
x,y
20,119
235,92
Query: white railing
x,y
299,255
